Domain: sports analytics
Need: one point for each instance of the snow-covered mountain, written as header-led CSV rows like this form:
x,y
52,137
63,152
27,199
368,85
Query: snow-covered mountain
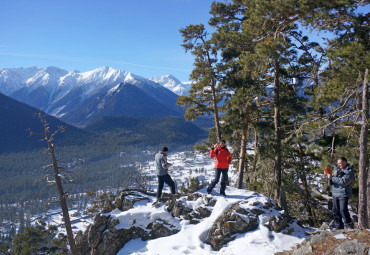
x,y
172,83
81,97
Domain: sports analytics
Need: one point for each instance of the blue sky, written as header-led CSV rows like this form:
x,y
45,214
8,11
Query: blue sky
x,y
140,36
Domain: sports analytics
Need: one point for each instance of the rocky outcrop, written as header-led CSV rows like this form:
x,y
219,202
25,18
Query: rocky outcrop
x,y
117,224
339,242
102,237
179,209
127,199
238,220
235,220
105,237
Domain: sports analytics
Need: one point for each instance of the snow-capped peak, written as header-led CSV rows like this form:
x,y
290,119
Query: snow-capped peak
x,y
172,83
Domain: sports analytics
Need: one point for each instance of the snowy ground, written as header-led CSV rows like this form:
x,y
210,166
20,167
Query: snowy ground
x,y
187,165
190,239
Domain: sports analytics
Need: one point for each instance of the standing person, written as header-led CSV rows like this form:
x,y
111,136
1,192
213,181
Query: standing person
x,y
223,159
341,181
162,172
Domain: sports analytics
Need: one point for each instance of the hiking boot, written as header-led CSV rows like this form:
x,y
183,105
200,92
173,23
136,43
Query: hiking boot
x,y
335,228
209,191
349,226
223,193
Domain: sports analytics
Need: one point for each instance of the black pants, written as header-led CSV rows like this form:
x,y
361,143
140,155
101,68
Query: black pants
x,y
340,212
224,178
165,179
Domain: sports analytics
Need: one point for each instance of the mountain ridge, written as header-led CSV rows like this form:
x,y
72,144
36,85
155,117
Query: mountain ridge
x,y
67,95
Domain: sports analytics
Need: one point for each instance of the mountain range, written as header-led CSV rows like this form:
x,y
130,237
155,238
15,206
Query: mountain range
x,y
80,98
17,118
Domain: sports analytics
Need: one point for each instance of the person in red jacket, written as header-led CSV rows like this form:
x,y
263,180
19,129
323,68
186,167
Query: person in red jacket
x,y
223,159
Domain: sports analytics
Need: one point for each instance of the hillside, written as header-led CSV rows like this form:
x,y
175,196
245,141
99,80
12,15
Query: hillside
x,y
17,118
150,130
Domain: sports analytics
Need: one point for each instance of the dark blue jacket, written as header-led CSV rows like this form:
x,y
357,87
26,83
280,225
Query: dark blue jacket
x,y
342,181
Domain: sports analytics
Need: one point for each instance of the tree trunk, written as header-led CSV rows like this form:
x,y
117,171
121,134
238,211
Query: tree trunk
x,y
363,203
306,189
255,151
277,167
243,148
62,197
215,110
368,199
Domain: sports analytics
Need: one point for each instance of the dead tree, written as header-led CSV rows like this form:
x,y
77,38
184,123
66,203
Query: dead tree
x,y
58,178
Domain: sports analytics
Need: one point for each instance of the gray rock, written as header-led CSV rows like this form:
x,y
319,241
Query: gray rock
x,y
303,250
114,239
194,196
350,247
179,209
278,223
160,229
102,237
231,223
127,199
95,232
202,212
324,226
318,238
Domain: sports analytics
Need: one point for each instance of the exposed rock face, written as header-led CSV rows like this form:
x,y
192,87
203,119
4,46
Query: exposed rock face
x,y
179,209
127,199
117,224
103,237
240,220
235,220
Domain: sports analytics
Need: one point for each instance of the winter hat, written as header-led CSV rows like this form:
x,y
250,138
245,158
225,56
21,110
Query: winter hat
x,y
165,149
222,141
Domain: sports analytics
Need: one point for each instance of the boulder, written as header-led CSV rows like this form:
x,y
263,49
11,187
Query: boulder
x,y
350,247
127,199
235,220
159,229
279,222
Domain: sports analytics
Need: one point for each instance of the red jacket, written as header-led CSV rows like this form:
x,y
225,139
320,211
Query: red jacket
x,y
223,157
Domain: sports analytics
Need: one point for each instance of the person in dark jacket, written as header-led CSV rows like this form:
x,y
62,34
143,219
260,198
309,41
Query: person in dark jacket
x,y
223,159
162,172
341,181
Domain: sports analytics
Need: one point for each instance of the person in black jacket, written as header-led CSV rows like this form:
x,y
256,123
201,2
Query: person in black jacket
x,y
342,181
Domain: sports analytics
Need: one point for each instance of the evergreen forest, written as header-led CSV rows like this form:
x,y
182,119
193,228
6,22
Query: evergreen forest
x,y
286,83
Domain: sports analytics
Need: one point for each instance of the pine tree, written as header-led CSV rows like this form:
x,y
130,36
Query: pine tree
x,y
38,239
343,82
205,92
